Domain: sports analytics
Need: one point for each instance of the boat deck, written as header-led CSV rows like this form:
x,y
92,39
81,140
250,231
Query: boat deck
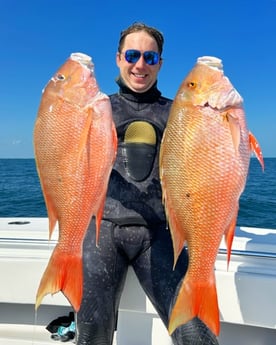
x,y
246,291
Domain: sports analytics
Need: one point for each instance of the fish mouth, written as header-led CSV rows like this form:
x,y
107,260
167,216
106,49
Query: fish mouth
x,y
217,100
83,59
223,101
211,61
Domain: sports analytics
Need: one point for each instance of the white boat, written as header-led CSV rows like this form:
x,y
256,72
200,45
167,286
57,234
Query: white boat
x,y
246,291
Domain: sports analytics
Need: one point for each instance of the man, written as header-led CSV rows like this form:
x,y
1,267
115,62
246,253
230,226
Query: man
x,y
134,229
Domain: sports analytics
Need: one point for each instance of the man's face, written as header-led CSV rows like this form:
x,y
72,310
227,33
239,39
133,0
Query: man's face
x,y
138,76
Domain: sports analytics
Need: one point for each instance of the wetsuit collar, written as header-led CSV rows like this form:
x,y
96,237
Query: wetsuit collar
x,y
149,96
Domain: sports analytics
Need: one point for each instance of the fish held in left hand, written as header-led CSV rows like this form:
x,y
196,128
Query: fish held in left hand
x,y
204,160
75,145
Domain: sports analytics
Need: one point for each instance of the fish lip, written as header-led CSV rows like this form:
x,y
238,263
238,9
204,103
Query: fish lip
x,y
220,109
211,61
83,59
222,105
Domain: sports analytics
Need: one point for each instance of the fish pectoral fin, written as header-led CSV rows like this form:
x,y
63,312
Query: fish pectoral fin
x,y
255,147
63,273
235,130
85,133
196,299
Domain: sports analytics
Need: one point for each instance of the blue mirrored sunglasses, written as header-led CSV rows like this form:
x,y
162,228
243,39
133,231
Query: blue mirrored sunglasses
x,y
133,55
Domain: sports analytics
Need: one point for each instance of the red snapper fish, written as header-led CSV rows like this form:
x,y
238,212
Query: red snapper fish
x,y
204,161
75,145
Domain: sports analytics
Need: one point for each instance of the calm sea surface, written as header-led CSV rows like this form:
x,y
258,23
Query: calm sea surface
x,y
20,193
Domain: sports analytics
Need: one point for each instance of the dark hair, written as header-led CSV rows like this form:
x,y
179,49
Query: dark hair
x,y
136,27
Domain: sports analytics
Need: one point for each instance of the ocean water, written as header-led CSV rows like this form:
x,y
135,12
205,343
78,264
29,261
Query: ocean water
x,y
21,196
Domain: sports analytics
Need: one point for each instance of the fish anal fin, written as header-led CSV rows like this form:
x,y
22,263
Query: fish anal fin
x,y
52,218
51,210
229,235
178,244
255,147
196,300
177,234
63,273
98,220
52,224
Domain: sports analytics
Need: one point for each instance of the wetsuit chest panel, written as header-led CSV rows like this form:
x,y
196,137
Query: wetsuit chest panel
x,y
139,149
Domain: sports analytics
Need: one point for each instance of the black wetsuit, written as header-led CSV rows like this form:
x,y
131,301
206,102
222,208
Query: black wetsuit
x,y
133,231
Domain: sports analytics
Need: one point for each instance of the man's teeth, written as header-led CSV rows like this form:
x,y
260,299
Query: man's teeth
x,y
139,75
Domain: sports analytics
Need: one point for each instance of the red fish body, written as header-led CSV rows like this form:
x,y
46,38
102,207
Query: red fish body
x,y
75,146
204,162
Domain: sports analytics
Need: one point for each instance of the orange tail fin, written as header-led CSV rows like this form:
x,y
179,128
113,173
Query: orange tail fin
x,y
63,273
196,300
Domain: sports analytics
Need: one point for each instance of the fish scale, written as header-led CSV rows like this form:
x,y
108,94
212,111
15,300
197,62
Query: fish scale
x,y
204,160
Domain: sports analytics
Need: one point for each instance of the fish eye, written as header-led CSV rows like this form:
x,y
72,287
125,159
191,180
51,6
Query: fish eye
x,y
60,76
191,84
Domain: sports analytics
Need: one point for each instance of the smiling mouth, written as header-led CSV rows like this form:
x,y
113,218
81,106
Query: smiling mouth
x,y
139,75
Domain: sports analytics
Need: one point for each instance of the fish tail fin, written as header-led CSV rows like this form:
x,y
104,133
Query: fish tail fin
x,y
255,147
63,273
209,311
196,300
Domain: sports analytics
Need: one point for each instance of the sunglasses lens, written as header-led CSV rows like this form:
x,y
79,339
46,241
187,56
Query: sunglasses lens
x,y
132,55
151,57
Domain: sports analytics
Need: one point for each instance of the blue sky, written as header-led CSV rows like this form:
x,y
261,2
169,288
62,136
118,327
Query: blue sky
x,y
37,36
